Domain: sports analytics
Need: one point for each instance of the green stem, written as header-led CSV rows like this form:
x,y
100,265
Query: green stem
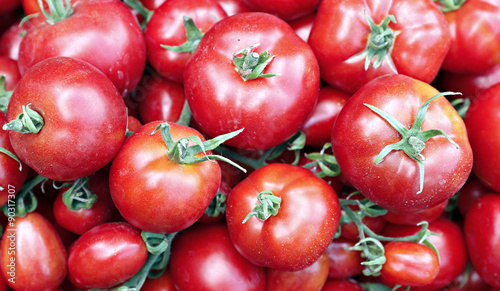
x,y
13,156
25,201
250,64
59,10
268,206
449,5
4,95
137,6
193,35
185,118
29,121
217,205
78,195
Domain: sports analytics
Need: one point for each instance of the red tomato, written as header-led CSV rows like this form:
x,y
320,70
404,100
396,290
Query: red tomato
x,y
270,109
162,283
103,33
32,254
203,258
301,231
233,7
166,27
138,188
342,285
344,263
409,264
107,255
84,117
303,25
415,218
152,4
8,68
470,85
360,134
10,40
481,235
133,124
32,7
284,9
217,208
472,190
9,5
482,120
415,44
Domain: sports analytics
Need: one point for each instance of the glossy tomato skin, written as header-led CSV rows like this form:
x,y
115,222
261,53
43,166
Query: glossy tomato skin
x,y
284,9
303,25
342,285
162,283
359,134
415,218
301,231
154,193
85,119
166,27
103,33
115,248
35,253
233,7
481,233
472,190
204,258
344,263
409,264
8,68
10,40
418,50
482,121
270,109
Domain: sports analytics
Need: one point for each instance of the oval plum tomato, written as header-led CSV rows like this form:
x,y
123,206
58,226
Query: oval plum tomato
x,y
166,27
411,168
271,109
103,33
106,255
311,278
284,9
155,193
409,264
357,41
303,227
32,254
344,262
481,235
482,121
80,117
204,258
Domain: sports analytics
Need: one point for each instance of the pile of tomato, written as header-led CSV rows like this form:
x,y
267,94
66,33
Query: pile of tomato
x,y
250,145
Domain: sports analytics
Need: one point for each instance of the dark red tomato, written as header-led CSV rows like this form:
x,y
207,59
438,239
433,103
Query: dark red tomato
x,y
82,220
450,243
7,6
481,235
12,174
10,39
477,22
133,124
311,278
415,218
344,263
85,119
470,280
159,99
472,190
414,45
8,68
204,258
342,285
270,109
32,254
233,7
162,283
303,25
166,27
32,6
470,85
284,9
482,121
409,264
318,126
106,255
305,223
360,134
140,172
103,33
152,4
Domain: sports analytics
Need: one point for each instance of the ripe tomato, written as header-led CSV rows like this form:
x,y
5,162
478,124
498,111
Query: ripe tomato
x,y
84,117
305,223
32,254
303,25
472,190
344,263
415,43
234,6
204,258
342,285
415,218
7,6
284,9
162,283
106,255
8,68
360,134
270,109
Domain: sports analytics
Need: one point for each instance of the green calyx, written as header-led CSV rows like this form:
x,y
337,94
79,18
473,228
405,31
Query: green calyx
x,y
139,7
380,41
4,95
29,121
181,152
326,162
78,195
193,34
412,140
250,64
449,5
268,206
59,10
217,205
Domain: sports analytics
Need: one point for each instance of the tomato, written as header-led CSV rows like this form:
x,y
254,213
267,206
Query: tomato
x,y
414,218
352,52
475,22
166,27
396,182
133,124
270,109
233,7
8,68
302,229
284,9
342,285
310,278
409,264
10,40
303,25
115,248
84,118
152,4
101,32
472,190
140,172
32,254
162,283
9,5
481,233
344,263
217,208
481,121
204,258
